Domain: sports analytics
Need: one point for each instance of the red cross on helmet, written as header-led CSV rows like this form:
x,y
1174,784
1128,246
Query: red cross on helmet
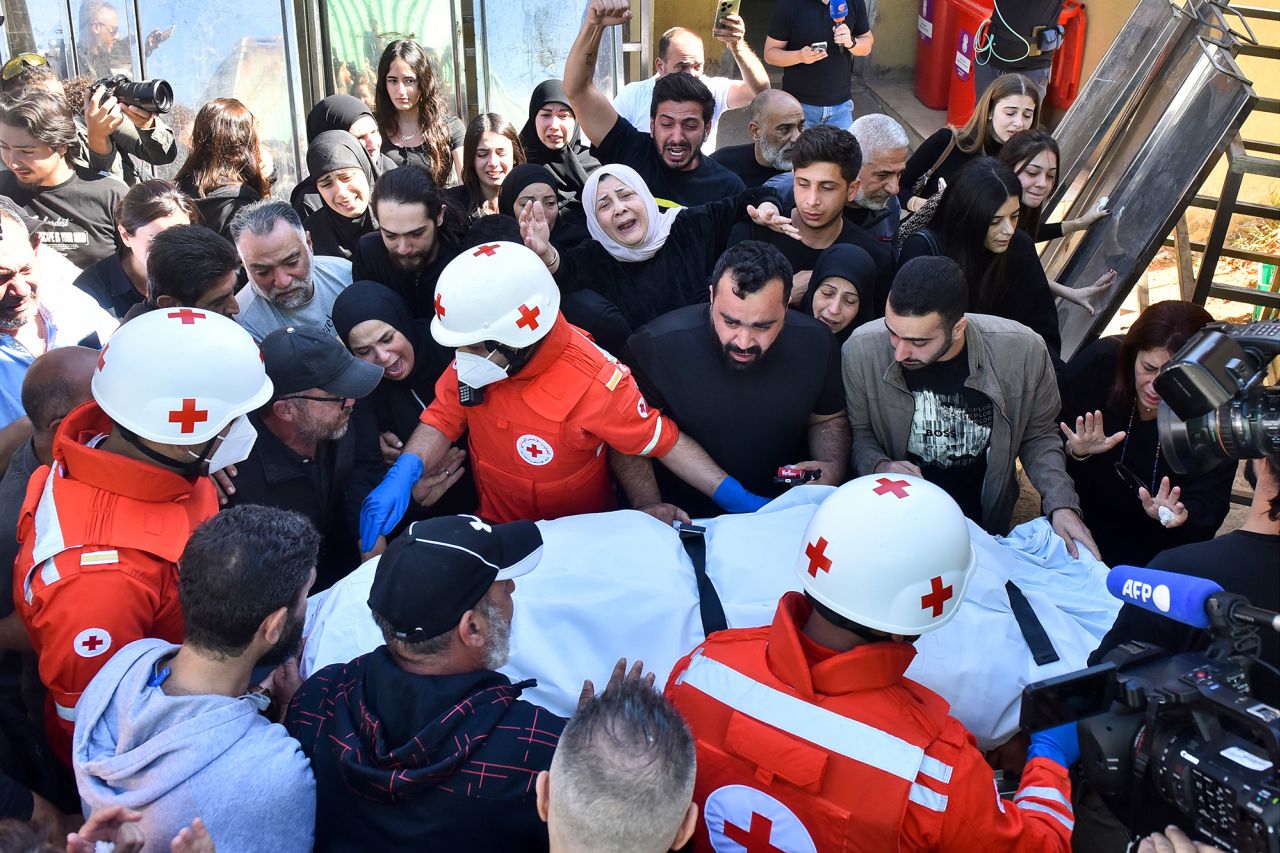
x,y
890,552
496,292
178,376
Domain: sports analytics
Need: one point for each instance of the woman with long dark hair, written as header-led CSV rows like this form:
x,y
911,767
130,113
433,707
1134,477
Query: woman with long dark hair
x,y
490,151
223,171
1134,503
343,177
416,127
977,227
552,138
1010,105
119,282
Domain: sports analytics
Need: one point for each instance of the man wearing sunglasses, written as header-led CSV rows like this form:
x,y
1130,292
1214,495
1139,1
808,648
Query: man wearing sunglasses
x,y
110,134
303,455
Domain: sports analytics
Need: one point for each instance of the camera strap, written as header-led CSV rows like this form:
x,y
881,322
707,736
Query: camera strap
x,y
1037,639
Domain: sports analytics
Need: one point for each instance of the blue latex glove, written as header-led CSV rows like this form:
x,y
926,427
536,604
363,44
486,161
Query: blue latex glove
x,y
1060,744
732,497
385,505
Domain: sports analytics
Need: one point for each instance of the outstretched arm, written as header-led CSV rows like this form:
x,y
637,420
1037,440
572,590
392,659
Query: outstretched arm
x,y
733,33
596,115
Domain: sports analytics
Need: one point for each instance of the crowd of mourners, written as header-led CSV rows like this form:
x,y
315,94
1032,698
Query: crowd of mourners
x,y
218,401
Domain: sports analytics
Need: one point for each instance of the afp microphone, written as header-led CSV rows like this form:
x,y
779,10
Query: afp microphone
x,y
1179,597
1185,598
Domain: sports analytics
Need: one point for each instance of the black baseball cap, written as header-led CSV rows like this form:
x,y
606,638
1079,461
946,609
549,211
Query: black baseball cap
x,y
298,358
439,568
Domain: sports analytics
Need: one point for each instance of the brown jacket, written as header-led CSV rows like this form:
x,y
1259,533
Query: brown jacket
x,y
1007,362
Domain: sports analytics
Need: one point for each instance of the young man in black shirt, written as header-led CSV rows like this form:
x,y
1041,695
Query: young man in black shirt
x,y
816,54
775,120
669,158
415,240
825,164
757,385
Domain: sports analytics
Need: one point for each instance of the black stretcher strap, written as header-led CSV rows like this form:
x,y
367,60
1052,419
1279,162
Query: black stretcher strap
x,y
1033,632
712,611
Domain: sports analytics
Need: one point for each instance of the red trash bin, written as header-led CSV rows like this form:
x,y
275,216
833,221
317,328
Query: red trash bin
x,y
935,54
1064,84
969,20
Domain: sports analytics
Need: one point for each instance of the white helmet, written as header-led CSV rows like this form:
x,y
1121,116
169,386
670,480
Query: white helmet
x,y
495,292
890,552
179,375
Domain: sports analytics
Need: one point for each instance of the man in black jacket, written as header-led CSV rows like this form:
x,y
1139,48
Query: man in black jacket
x,y
421,743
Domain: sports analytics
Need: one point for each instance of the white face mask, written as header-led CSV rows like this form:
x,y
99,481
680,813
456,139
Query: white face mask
x,y
235,446
477,372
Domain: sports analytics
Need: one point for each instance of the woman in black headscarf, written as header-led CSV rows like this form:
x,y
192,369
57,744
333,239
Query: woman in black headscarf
x,y
339,112
343,176
375,324
551,138
841,289
529,184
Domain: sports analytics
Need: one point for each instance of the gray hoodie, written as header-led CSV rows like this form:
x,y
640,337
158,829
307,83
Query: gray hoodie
x,y
175,758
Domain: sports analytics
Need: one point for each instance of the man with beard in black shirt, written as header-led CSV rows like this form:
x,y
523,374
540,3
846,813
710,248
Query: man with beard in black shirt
x,y
774,120
417,236
757,385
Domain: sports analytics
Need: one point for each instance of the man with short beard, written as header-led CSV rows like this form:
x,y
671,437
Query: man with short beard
x,y
179,732
420,744
774,120
40,309
288,284
757,385
303,455
885,148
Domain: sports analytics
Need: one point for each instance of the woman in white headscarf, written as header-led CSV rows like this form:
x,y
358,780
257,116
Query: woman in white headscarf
x,y
641,262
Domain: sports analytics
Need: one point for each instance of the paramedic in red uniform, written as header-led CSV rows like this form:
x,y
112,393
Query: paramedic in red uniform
x,y
808,735
102,528
543,407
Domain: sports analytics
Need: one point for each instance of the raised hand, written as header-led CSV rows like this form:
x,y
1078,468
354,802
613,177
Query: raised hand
x,y
768,216
1089,436
1164,505
608,13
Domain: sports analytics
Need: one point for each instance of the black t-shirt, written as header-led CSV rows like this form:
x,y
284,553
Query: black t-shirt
x,y
750,421
802,22
950,430
108,283
77,217
708,182
741,160
219,206
1012,28
802,257
418,155
372,262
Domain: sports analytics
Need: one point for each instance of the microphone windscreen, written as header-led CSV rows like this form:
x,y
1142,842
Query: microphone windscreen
x,y
1179,597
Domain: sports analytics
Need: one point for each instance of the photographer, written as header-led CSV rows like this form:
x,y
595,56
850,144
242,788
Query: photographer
x,y
110,133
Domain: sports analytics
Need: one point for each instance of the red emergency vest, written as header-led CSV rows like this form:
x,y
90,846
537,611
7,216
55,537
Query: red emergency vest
x,y
844,753
100,536
539,441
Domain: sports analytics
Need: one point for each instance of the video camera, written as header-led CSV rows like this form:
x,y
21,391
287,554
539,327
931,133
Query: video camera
x,y
1185,728
1213,403
154,96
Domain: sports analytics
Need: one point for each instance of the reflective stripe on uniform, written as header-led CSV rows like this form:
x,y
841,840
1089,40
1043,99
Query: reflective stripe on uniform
x,y
48,539
935,769
928,798
831,731
1054,813
1042,792
65,713
653,442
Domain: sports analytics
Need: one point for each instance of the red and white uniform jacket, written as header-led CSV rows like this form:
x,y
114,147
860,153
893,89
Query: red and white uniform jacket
x,y
99,540
801,748
538,443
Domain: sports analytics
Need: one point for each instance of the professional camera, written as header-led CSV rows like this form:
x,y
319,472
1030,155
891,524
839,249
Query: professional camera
x,y
154,96
1214,405
1184,728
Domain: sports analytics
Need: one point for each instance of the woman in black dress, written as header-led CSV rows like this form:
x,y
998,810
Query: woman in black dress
x,y
416,127
552,138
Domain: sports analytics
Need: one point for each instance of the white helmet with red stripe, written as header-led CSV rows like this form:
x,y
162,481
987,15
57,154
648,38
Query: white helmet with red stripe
x,y
888,551
495,292
179,375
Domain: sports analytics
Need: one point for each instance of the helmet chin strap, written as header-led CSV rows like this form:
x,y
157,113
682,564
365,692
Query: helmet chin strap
x,y
516,358
190,469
